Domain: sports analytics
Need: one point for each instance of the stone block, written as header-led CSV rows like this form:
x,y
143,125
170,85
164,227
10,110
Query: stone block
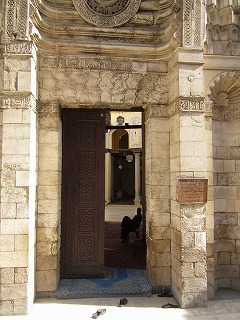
x,y
229,166
238,246
47,262
187,149
224,283
48,192
16,131
237,165
48,206
14,226
46,163
6,242
235,284
220,205
20,162
162,246
226,218
193,164
46,280
12,116
225,192
21,275
194,285
222,179
186,270
195,300
199,149
210,264
8,210
7,275
223,258
48,220
22,178
13,259
22,211
235,153
160,276
176,251
188,240
6,308
24,81
48,137
47,234
49,178
193,255
15,194
200,241
21,306
223,152
200,269
233,232
13,291
235,259
224,245
227,271
21,242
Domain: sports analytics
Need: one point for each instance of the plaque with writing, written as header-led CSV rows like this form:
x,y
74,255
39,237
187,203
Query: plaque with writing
x,y
192,190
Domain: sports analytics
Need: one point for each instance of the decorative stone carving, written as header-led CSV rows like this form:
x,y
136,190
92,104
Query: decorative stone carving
x,y
224,92
161,111
191,104
191,14
18,101
19,48
222,29
16,19
107,13
86,63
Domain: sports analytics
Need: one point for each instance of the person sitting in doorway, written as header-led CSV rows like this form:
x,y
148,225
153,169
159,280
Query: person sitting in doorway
x,y
131,225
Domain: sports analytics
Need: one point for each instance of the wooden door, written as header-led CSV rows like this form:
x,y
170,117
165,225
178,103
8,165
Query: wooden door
x,y
82,225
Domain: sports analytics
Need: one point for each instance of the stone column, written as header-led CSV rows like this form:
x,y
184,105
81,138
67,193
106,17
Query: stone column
x,y
18,179
49,198
137,198
157,196
188,160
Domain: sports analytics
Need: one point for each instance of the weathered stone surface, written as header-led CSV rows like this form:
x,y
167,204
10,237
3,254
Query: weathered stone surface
x,y
13,291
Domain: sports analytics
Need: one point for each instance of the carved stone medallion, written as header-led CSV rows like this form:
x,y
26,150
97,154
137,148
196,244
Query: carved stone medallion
x,y
107,13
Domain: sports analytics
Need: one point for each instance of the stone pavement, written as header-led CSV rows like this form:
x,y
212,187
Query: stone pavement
x,y
138,308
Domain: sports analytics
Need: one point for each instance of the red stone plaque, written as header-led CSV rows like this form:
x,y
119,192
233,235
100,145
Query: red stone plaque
x,y
192,190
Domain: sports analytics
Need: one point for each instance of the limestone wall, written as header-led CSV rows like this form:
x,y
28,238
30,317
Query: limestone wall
x,y
18,179
158,200
226,165
49,198
223,126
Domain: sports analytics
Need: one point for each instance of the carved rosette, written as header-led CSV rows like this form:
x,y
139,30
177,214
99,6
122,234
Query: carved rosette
x,y
107,13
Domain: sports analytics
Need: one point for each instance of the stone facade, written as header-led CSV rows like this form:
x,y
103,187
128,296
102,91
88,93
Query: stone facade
x,y
179,62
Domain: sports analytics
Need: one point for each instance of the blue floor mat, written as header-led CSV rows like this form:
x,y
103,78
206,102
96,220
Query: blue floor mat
x,y
117,282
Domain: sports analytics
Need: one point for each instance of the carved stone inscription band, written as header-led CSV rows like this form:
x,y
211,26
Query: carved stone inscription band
x,y
107,13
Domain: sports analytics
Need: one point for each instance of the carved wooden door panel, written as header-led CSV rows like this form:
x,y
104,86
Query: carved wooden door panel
x,y
82,238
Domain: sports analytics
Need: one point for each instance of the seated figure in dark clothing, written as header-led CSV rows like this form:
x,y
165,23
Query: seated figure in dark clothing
x,y
129,225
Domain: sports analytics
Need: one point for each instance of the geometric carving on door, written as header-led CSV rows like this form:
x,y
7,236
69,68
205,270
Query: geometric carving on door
x,y
87,135
86,192
86,163
86,220
85,249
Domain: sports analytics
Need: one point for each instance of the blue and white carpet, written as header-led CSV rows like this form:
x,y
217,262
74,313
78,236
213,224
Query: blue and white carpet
x,y
117,282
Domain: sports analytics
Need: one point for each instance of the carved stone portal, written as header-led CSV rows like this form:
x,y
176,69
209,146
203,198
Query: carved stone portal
x,y
107,13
